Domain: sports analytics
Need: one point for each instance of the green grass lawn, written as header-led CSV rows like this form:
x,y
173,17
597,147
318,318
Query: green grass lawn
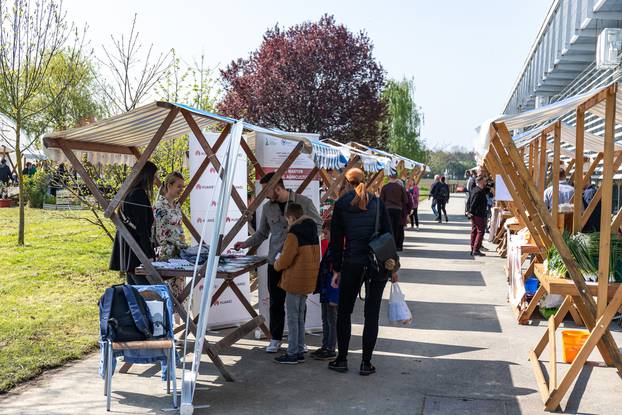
x,y
49,290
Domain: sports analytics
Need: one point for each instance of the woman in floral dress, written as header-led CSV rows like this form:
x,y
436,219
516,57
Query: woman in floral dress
x,y
169,233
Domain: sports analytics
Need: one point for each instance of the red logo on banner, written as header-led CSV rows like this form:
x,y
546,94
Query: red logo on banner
x,y
212,170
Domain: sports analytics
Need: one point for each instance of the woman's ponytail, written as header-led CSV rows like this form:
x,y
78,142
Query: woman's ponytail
x,y
356,178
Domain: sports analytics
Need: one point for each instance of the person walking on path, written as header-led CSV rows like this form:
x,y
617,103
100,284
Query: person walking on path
x,y
352,226
413,191
273,224
440,193
299,263
437,179
398,203
477,213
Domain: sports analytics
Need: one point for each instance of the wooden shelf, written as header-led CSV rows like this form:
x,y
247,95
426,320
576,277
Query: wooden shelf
x,y
564,286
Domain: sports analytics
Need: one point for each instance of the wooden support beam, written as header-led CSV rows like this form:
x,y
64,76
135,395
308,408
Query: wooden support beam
x,y
556,167
129,180
607,198
87,146
308,180
543,162
553,357
259,171
587,178
578,176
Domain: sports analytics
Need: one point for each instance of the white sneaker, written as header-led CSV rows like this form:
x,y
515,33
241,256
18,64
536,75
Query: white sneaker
x,y
274,346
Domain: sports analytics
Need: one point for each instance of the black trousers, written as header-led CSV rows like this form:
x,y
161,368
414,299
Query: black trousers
x,y
349,286
277,304
440,207
414,218
395,216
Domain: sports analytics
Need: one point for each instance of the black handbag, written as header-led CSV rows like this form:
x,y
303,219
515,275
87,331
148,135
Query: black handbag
x,y
382,248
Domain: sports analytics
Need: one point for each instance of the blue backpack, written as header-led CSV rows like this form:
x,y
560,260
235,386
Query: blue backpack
x,y
124,315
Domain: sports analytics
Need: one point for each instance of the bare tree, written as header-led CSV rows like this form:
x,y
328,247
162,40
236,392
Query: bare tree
x,y
132,75
32,34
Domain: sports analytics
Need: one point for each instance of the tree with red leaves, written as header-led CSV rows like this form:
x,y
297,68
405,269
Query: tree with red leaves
x,y
313,77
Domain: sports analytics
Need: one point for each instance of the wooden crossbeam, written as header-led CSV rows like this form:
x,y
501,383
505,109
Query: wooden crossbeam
x,y
597,196
129,180
211,154
205,163
587,178
308,180
259,171
336,184
260,197
86,146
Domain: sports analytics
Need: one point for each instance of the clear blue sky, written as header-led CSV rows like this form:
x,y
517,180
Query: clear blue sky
x,y
463,55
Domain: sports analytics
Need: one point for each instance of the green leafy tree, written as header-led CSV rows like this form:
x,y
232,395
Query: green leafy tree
x,y
33,33
401,126
78,104
453,162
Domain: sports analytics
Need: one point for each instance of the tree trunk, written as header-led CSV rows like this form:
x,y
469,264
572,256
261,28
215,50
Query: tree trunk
x,y
20,176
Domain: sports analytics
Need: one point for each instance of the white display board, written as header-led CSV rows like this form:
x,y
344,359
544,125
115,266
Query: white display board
x,y
227,311
271,152
501,190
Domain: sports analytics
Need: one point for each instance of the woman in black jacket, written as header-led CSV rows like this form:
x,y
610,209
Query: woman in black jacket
x,y
137,214
352,227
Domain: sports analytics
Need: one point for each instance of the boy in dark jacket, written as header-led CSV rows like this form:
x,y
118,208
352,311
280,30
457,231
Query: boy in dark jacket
x,y
329,298
300,262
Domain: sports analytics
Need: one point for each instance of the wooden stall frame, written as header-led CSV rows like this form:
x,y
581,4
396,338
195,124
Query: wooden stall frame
x,y
110,209
596,315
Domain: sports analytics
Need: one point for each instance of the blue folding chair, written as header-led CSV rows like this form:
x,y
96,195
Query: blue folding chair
x,y
145,351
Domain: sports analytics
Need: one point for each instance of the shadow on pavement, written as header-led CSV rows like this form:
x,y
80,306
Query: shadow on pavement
x,y
444,277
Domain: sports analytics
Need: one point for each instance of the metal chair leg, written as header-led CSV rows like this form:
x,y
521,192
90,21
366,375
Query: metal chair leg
x,y
109,376
168,374
173,374
106,369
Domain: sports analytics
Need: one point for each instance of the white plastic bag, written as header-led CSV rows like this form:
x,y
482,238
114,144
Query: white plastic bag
x,y
398,309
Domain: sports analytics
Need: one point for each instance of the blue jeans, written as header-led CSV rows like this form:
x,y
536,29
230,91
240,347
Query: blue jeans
x,y
296,306
329,326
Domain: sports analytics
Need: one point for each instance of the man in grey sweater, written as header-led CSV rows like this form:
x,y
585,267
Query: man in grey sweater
x,y
274,225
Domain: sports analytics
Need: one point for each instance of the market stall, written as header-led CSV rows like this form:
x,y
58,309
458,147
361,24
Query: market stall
x,y
134,136
524,173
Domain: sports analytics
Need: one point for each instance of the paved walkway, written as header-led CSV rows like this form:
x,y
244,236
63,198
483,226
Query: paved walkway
x,y
465,355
